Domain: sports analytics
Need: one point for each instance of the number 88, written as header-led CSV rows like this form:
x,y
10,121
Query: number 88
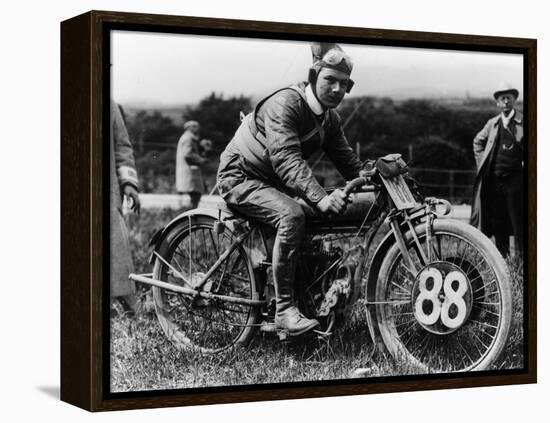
x,y
441,308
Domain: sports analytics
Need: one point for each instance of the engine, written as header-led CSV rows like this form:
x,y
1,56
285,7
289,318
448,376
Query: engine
x,y
326,276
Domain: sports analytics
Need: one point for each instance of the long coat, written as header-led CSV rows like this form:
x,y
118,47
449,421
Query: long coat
x,y
122,172
189,176
484,147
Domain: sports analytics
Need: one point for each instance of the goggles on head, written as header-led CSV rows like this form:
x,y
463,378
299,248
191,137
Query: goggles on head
x,y
336,59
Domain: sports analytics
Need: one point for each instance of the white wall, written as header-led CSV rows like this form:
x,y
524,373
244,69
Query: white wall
x,y
30,176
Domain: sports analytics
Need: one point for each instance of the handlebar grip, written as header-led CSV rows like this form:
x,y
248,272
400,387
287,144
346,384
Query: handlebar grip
x,y
447,206
353,184
434,202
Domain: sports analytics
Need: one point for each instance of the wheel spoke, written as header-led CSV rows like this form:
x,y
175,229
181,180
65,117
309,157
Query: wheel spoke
x,y
484,323
401,314
429,342
477,299
406,322
391,302
401,288
485,286
466,352
421,345
186,257
410,327
485,310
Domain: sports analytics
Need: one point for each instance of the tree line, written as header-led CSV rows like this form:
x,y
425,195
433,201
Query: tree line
x,y
429,133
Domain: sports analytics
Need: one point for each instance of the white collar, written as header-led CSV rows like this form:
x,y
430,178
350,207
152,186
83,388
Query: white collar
x,y
506,119
312,102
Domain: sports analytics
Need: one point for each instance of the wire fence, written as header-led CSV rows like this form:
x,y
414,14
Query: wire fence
x,y
454,185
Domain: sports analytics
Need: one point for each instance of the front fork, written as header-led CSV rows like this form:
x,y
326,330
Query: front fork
x,y
398,234
395,222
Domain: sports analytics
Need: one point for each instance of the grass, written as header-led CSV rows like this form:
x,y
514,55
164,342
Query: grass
x,y
143,359
513,355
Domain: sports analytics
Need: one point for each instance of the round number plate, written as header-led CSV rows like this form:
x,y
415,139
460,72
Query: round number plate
x,y
442,298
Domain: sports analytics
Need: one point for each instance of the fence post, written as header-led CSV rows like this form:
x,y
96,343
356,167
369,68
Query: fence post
x,y
452,185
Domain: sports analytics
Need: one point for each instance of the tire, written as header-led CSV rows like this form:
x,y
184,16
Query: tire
x,y
482,309
198,324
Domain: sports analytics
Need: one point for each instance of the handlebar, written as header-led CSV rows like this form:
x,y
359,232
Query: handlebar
x,y
363,179
434,202
356,183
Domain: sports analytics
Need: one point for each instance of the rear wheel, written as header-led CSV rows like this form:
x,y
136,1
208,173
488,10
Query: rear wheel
x,y
453,312
209,325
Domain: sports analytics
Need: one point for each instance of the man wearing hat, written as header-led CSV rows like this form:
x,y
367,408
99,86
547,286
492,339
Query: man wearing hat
x,y
264,175
190,156
498,191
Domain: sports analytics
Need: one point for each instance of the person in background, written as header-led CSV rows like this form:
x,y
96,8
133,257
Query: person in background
x,y
190,156
497,207
123,188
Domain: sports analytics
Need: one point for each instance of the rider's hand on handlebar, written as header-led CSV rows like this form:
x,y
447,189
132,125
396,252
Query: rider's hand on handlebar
x,y
333,203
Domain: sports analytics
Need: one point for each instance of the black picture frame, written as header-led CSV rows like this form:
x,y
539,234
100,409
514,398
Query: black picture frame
x,y
84,169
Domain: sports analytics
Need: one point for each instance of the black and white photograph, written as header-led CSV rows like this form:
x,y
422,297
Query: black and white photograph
x,y
275,211
311,211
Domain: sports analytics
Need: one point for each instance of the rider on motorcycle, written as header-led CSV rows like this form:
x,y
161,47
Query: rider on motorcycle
x,y
263,172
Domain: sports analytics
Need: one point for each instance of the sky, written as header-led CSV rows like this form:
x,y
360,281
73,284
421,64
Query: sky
x,y
172,69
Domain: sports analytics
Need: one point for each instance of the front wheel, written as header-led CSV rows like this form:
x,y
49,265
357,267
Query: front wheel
x,y
451,312
211,325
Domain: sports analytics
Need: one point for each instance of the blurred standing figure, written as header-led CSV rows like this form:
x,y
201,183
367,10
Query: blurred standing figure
x,y
190,156
123,187
498,191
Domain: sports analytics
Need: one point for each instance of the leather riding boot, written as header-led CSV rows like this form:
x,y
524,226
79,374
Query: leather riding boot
x,y
287,316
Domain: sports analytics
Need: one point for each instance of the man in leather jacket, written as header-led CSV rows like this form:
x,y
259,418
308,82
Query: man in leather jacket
x,y
264,175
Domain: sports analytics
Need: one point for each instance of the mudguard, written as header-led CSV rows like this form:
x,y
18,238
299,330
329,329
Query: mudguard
x,y
255,246
376,263
159,236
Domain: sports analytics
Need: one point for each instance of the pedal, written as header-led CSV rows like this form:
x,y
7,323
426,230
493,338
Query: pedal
x,y
268,327
283,335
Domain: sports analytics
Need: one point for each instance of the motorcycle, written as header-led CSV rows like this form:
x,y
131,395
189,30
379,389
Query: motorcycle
x,y
435,291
